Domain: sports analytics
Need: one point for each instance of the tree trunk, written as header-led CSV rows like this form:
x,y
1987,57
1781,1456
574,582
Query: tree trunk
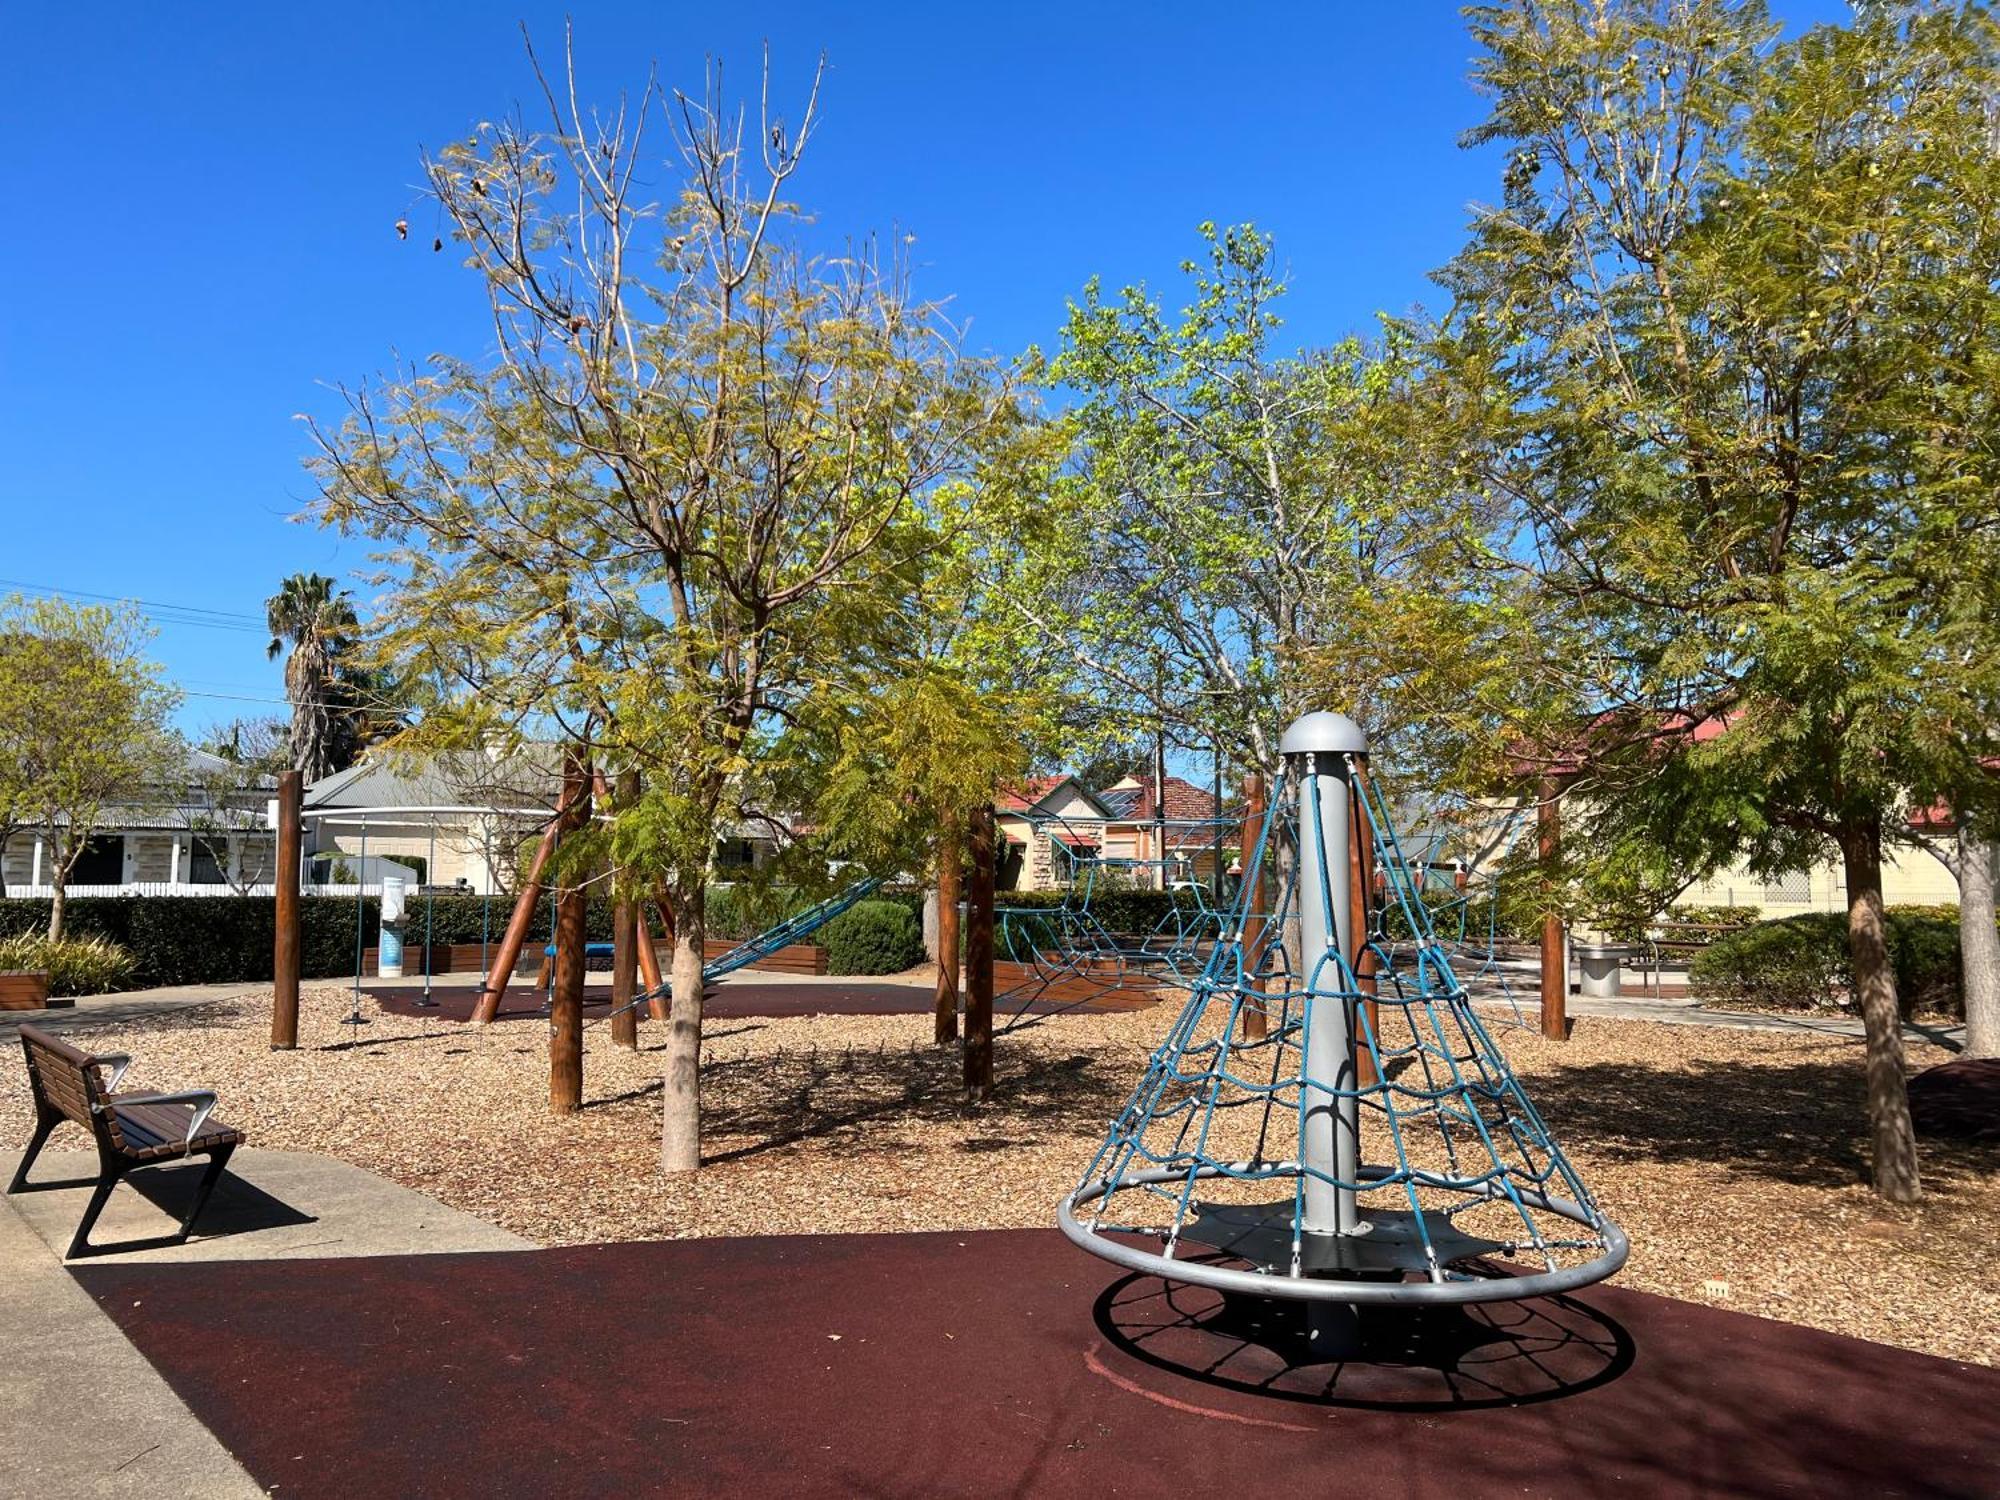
x,y
1893,1155
951,866
625,941
978,1055
58,894
1979,940
680,1125
566,999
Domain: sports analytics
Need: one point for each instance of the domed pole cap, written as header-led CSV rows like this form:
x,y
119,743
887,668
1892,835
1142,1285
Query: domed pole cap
x,y
1324,733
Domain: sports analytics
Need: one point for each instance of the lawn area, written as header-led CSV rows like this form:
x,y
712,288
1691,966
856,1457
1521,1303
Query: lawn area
x,y
1732,1158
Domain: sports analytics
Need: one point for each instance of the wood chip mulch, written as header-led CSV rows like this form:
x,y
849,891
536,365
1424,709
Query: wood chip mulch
x,y
1733,1159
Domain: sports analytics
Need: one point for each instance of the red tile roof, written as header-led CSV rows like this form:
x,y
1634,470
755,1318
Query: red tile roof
x,y
1185,802
1024,796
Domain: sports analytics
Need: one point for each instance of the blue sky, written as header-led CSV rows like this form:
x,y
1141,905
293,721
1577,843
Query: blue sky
x,y
202,241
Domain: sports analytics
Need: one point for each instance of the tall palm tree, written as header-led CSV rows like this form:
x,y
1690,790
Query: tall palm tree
x,y
318,620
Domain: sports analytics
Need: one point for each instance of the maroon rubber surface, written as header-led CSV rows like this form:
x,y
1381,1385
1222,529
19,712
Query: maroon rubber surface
x,y
733,999
1002,1363
1958,1100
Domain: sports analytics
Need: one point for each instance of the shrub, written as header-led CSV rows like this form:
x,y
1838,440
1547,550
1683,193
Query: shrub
x,y
1801,962
75,965
873,937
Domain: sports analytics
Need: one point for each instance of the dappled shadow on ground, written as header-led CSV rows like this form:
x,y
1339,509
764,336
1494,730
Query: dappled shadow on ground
x,y
1803,1123
782,1098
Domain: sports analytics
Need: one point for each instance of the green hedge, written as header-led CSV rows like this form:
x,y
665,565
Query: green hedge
x,y
1126,913
873,937
1801,962
227,939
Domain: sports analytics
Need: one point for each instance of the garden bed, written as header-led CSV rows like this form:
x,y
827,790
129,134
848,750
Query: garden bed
x,y
1732,1158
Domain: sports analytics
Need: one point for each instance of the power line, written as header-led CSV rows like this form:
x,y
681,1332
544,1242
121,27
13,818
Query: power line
x,y
165,614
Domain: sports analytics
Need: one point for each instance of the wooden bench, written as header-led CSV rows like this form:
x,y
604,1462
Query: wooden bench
x,y
131,1130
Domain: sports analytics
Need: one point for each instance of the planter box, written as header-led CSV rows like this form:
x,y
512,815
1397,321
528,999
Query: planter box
x,y
795,958
22,989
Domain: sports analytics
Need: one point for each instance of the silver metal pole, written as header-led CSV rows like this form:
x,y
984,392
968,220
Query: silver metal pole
x,y
1316,749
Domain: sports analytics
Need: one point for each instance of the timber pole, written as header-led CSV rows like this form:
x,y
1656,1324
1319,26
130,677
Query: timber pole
x,y
566,1000
649,958
1555,961
512,940
979,959
950,882
625,942
1255,1022
285,941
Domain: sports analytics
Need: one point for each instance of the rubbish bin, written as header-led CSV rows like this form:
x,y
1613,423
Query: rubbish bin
x,y
1600,964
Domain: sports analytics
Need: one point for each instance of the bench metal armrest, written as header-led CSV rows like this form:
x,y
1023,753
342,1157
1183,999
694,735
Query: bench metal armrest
x,y
119,1062
204,1101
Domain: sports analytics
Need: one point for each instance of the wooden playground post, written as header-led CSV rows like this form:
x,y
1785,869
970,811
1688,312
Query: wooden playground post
x,y
566,1000
512,940
1360,886
1255,1022
625,942
649,967
950,880
285,942
1555,964
979,959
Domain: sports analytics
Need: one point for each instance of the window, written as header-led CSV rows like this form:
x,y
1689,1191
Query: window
x,y
1792,887
204,862
735,854
102,861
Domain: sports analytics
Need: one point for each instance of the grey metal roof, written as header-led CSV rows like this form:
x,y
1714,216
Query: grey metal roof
x,y
468,780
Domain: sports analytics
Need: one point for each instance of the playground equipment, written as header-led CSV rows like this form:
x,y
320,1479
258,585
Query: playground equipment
x,y
1405,1151
1067,956
793,929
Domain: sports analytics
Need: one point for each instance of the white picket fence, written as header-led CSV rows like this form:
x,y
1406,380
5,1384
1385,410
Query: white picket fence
x,y
183,888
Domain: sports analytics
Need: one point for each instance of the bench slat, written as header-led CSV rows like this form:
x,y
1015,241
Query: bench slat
x,y
161,1129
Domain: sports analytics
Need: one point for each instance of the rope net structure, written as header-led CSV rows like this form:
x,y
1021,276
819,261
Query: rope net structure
x,y
1320,1123
1064,956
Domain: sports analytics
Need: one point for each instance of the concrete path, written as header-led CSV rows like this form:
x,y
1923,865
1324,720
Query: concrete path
x,y
1676,1012
271,1205
82,1412
132,1005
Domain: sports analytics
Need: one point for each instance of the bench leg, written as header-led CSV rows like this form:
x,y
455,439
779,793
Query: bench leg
x,y
99,1196
44,1127
211,1174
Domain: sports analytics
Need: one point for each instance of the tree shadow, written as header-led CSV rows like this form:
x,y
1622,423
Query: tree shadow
x,y
782,1098
1803,1123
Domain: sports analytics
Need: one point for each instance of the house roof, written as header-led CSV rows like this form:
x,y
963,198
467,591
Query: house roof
x,y
465,780
1037,792
1132,800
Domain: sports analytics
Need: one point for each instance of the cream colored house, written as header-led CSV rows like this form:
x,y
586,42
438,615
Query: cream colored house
x,y
203,837
1910,877
453,821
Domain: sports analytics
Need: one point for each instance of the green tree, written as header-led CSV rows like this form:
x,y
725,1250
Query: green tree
x,y
83,725
684,510
1245,528
1735,324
